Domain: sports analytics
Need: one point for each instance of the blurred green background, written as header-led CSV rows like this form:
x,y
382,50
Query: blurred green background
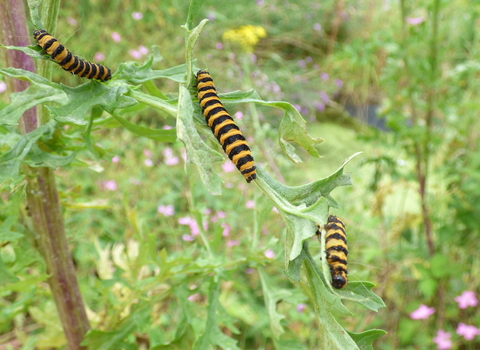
x,y
397,80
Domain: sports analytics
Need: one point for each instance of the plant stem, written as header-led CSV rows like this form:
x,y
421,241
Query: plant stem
x,y
42,196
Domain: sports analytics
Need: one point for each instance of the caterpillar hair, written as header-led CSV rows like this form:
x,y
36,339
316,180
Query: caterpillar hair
x,y
224,128
336,250
67,60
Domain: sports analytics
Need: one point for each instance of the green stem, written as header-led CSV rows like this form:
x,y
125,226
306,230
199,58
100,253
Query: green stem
x,y
154,102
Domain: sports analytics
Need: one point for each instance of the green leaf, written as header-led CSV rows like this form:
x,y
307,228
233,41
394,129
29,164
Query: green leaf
x,y
190,41
213,335
301,207
135,73
11,160
153,134
333,336
82,98
40,91
39,158
5,275
114,340
154,102
5,233
365,339
198,152
185,332
361,293
271,296
292,127
29,50
21,285
283,344
327,302
193,10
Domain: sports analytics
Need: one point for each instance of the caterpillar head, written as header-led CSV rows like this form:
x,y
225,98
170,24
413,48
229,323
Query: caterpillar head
x,y
339,280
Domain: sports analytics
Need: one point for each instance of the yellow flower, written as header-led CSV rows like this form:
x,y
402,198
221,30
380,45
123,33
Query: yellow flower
x,y
246,36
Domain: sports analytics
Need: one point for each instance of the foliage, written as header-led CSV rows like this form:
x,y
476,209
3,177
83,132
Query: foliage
x,y
144,290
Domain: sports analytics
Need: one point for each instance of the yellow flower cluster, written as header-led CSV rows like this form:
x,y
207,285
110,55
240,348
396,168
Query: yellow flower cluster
x,y
246,36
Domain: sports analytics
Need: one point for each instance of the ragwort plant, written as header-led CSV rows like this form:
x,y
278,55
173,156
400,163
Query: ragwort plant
x,y
152,281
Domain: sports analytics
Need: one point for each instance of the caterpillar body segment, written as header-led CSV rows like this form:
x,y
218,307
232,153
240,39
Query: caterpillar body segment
x,y
224,127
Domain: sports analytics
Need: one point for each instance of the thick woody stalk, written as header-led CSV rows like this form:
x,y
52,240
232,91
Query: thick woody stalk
x,y
42,195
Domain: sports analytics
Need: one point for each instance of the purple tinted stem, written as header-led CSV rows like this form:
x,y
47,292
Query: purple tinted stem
x,y
42,195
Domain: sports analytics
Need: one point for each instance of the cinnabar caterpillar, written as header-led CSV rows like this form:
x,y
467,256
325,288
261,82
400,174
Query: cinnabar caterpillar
x,y
224,128
67,60
336,250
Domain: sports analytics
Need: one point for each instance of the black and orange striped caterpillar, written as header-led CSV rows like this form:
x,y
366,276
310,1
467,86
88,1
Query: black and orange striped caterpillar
x,y
336,250
67,60
224,128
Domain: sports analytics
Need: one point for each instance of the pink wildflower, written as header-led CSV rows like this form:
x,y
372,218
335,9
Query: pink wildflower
x,y
187,238
137,15
226,229
3,87
219,46
98,57
115,159
172,161
143,50
194,297
116,37
443,340
468,332
422,313
194,229
466,299
147,153
228,166
301,307
324,96
319,106
72,21
415,21
185,220
166,210
148,162
250,204
232,243
269,254
110,185
238,115
135,54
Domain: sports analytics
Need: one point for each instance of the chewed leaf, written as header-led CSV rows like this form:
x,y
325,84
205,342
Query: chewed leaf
x,y
271,297
361,293
198,152
137,74
365,339
292,127
10,161
41,90
213,336
39,158
302,206
82,98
